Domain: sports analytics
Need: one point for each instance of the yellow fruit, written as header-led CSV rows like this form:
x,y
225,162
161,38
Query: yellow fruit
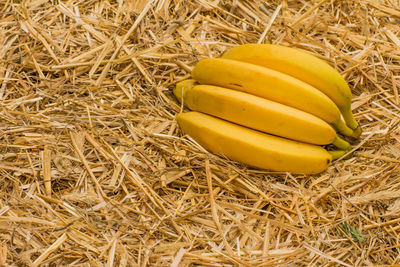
x,y
303,66
183,86
257,113
269,84
253,147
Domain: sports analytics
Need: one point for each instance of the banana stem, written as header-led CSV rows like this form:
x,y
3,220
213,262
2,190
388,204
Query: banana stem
x,y
342,128
341,144
349,118
357,132
337,154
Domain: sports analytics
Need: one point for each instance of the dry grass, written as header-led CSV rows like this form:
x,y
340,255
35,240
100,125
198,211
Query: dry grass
x,y
95,172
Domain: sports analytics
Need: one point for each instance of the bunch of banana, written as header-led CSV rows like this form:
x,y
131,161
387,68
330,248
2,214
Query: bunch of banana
x,y
303,66
268,106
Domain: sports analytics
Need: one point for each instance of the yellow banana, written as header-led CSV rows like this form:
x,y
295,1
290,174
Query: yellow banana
x,y
182,87
303,66
269,84
253,147
257,113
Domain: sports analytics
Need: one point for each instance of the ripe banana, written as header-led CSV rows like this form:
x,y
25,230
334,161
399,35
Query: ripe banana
x,y
269,84
257,113
255,148
183,86
303,66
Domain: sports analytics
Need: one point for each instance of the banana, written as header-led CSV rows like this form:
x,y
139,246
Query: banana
x,y
182,87
269,84
257,113
303,66
255,148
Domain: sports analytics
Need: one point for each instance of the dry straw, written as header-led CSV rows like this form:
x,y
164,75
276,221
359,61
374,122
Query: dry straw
x,y
95,171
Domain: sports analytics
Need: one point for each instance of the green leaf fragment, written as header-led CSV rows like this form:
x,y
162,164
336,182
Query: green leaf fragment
x,y
353,232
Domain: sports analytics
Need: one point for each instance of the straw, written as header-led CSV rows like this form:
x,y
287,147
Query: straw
x,y
95,170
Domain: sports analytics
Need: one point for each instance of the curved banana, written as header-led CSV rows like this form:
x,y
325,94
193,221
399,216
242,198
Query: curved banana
x,y
269,84
252,147
303,66
182,87
257,113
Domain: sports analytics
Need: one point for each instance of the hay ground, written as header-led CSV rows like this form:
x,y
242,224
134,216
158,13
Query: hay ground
x,y
95,172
